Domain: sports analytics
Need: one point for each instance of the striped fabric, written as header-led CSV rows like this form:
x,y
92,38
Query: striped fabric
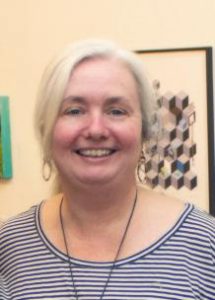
x,y
181,265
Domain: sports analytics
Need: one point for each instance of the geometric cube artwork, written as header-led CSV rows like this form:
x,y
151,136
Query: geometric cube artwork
x,y
164,180
182,133
170,155
157,163
190,180
183,163
189,148
152,178
177,179
169,131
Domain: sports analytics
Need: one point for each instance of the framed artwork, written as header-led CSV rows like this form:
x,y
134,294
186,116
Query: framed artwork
x,y
5,141
180,159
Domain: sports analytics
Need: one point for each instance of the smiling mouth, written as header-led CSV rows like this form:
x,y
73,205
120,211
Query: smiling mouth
x,y
95,152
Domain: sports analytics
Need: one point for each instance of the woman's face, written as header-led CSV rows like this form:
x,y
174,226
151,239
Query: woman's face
x,y
97,136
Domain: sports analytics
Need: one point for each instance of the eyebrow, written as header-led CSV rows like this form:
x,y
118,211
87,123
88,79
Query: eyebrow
x,y
113,100
79,99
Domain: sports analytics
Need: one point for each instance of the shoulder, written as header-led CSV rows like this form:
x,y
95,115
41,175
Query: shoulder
x,y
202,221
165,212
18,235
197,231
203,216
19,223
168,205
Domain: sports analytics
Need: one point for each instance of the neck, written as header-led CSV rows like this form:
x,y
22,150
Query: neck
x,y
117,251
97,206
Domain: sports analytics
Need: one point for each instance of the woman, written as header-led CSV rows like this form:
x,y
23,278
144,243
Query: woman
x,y
103,236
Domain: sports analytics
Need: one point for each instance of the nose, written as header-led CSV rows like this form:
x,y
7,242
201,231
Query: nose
x,y
96,128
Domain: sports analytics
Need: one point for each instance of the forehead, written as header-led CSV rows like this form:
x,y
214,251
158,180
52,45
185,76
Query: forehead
x,y
105,73
103,65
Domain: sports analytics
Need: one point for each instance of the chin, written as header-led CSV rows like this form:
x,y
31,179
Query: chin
x,y
95,179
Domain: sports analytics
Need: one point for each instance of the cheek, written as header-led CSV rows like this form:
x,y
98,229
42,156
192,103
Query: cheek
x,y
131,137
62,135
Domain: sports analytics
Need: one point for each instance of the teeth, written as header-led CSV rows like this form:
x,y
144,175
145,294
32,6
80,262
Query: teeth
x,y
95,152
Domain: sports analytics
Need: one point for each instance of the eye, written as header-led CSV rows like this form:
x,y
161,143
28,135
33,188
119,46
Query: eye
x,y
117,111
73,111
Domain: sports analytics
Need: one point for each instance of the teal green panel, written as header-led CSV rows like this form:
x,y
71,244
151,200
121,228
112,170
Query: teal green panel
x,y
5,140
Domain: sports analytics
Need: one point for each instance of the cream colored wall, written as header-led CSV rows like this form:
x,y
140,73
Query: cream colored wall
x,y
32,31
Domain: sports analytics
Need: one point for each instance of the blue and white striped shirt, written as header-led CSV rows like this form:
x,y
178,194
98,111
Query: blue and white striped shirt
x,y
181,265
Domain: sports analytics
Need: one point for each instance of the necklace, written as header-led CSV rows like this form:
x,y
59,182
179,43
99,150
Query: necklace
x,y
115,258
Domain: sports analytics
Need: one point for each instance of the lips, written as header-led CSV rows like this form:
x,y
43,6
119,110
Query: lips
x,y
95,152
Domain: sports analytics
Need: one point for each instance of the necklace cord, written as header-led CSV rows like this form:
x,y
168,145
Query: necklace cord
x,y
67,249
117,253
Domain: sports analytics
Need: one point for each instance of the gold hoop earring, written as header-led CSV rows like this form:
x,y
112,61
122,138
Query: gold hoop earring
x,y
46,170
141,170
